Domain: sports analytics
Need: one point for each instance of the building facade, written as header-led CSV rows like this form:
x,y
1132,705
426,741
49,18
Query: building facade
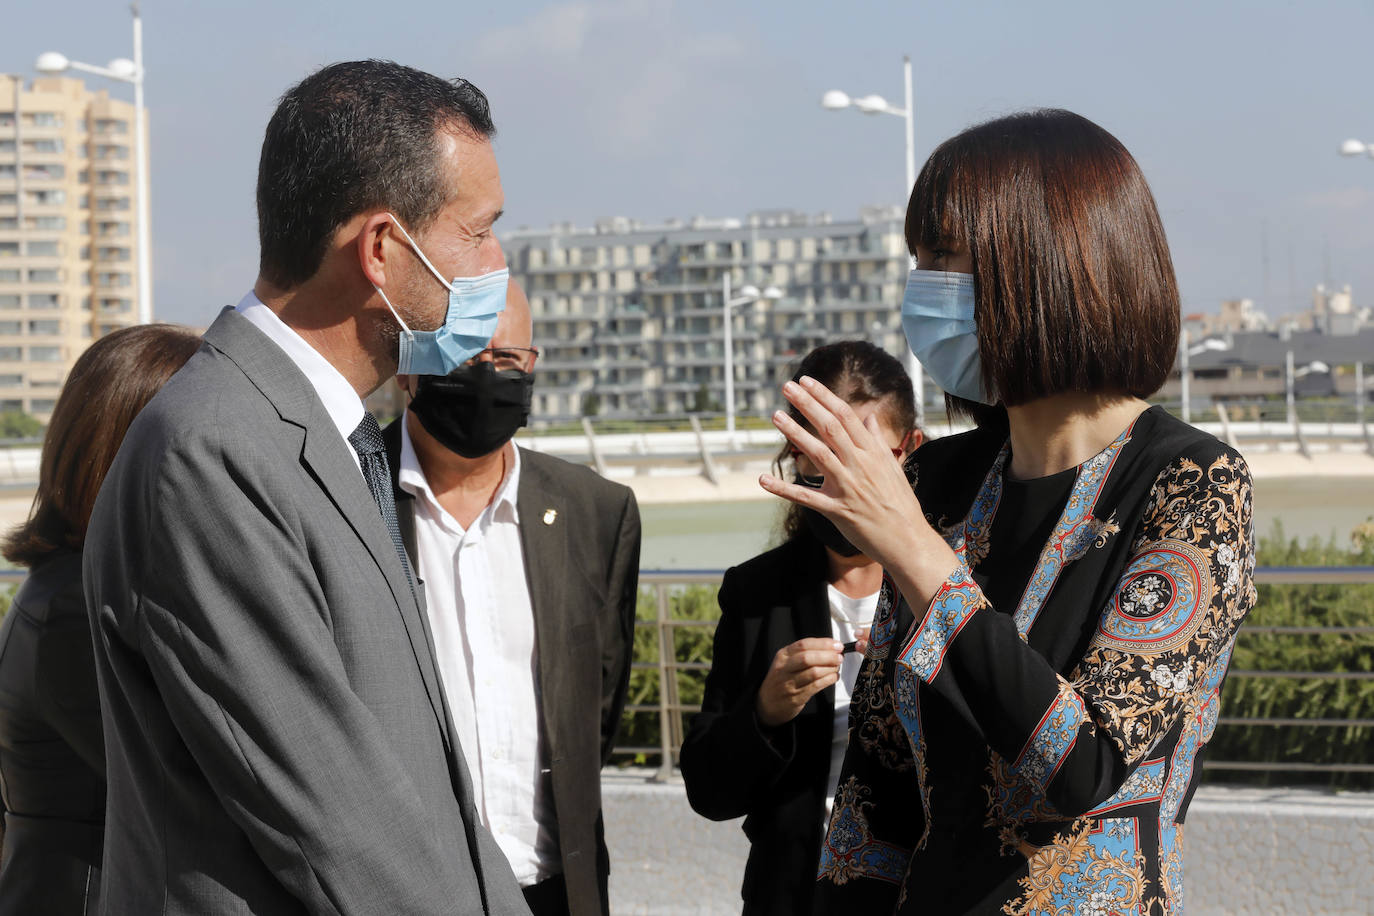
x,y
68,245
630,319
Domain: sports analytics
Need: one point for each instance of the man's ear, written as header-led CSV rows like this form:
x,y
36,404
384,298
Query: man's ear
x,y
913,440
373,252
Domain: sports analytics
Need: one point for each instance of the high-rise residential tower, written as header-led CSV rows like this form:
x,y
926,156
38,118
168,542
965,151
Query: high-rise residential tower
x,y
68,244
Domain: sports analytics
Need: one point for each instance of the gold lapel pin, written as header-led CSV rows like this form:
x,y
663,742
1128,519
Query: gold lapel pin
x,y
550,515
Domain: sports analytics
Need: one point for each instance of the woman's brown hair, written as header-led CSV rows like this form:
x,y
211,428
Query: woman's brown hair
x,y
1073,284
109,384
858,373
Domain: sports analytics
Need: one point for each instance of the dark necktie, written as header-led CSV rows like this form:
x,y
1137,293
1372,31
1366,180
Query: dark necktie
x,y
367,441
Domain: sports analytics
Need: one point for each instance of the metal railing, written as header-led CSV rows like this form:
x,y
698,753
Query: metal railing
x,y
671,710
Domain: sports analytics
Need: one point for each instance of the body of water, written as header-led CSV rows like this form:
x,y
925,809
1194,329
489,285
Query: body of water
x,y
719,535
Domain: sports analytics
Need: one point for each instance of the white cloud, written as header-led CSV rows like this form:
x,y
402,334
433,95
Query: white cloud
x,y
632,69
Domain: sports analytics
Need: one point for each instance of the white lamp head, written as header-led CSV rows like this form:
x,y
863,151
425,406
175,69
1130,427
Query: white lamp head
x,y
749,292
1348,148
51,62
871,104
772,292
1319,367
834,100
123,68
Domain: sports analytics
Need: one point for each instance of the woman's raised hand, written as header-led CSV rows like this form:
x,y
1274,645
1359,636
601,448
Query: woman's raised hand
x,y
865,493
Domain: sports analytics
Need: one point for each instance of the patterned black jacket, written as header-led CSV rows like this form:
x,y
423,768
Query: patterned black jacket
x,y
1038,757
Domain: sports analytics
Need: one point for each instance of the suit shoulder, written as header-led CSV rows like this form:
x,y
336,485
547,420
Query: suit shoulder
x,y
575,480
775,573
52,591
210,394
948,450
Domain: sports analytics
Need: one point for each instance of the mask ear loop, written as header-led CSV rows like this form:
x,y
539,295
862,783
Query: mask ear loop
x,y
405,328
420,254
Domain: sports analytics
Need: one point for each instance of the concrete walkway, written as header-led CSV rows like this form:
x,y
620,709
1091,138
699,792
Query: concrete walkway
x,y
1249,851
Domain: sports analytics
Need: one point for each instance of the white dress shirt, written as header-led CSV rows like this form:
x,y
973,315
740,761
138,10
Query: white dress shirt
x,y
846,616
340,399
483,624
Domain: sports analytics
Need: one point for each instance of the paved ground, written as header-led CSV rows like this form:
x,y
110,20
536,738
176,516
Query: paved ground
x,y
1250,851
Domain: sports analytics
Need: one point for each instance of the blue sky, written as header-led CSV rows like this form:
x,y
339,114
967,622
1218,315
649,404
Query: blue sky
x,y
659,108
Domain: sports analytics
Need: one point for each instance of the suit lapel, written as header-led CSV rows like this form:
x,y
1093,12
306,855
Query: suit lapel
x,y
327,457
544,533
813,611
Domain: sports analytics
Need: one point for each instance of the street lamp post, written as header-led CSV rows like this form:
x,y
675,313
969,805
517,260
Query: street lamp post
x,y
1185,374
747,294
835,100
1359,393
1290,375
125,71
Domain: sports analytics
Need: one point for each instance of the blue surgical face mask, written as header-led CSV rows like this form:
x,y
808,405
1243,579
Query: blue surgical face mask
x,y
937,316
474,306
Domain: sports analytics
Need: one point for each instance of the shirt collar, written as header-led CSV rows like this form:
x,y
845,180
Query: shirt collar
x,y
340,399
412,479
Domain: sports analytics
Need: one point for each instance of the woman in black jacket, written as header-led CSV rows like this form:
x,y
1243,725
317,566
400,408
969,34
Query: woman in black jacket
x,y
1064,584
773,727
52,753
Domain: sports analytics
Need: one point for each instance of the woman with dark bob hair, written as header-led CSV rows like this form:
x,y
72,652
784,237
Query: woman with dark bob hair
x,y
1064,582
52,755
772,731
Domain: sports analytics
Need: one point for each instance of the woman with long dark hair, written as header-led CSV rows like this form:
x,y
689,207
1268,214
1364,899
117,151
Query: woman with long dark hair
x,y
52,757
768,742
1065,581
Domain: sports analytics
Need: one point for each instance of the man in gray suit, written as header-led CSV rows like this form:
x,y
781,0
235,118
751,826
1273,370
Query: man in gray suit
x,y
277,736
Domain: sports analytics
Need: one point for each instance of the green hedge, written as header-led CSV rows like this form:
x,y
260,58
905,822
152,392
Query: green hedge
x,y
1243,697
691,644
1310,698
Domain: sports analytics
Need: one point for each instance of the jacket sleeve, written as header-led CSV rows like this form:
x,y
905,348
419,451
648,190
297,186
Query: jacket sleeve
x,y
233,626
66,678
1062,746
617,648
728,759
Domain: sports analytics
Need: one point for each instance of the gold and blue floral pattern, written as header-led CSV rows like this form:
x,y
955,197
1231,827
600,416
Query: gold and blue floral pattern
x,y
951,608
1095,868
1076,531
850,850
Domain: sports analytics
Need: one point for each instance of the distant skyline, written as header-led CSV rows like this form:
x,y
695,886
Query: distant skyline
x,y
655,109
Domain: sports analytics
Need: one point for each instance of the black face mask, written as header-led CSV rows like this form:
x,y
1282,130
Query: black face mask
x,y
824,530
474,410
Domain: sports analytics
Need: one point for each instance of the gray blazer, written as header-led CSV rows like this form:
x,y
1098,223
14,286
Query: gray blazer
x,y
581,538
277,740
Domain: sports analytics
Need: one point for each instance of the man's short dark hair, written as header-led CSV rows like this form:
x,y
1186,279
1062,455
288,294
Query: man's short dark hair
x,y
352,137
1073,283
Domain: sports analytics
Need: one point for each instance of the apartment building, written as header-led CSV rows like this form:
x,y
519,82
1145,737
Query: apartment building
x,y
630,317
68,245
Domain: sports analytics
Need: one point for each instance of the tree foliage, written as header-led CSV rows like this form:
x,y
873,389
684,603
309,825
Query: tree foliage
x,y
15,424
